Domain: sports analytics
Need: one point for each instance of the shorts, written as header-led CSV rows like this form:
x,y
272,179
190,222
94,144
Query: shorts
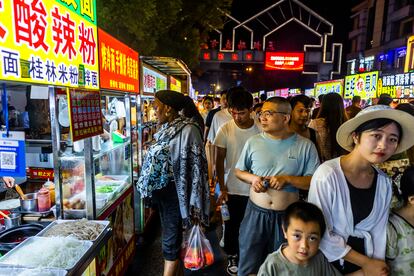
x,y
171,223
260,234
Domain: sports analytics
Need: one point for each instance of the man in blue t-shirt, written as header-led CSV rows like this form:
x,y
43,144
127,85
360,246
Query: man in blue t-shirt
x,y
276,163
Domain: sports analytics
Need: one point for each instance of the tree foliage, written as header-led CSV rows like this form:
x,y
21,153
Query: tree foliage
x,y
162,27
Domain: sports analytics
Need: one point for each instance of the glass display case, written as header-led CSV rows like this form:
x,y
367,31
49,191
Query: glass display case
x,y
94,172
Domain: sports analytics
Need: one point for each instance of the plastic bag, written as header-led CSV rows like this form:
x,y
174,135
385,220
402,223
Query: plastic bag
x,y
197,251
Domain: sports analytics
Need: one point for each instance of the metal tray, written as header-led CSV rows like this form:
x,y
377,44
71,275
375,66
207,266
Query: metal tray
x,y
33,213
5,260
7,271
103,222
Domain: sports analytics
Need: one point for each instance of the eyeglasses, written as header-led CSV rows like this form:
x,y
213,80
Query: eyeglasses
x,y
266,114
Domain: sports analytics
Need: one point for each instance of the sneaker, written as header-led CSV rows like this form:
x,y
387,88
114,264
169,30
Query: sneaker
x,y
232,263
221,243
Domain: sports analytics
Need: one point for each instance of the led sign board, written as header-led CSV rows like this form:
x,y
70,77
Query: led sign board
x,y
398,86
363,85
325,87
284,61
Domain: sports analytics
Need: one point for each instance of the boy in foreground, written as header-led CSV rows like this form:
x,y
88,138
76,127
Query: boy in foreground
x,y
303,228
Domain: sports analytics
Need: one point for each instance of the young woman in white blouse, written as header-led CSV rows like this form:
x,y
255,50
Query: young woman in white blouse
x,y
354,195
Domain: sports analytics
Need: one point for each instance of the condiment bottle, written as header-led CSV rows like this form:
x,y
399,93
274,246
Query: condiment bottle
x,y
51,186
43,200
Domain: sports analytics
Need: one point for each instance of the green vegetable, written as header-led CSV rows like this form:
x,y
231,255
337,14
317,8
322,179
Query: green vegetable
x,y
105,189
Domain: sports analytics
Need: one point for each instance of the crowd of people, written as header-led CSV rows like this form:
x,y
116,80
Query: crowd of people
x,y
305,196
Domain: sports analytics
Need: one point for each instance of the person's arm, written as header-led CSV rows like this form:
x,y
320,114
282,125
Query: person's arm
x,y
8,181
252,179
206,130
220,157
277,182
369,266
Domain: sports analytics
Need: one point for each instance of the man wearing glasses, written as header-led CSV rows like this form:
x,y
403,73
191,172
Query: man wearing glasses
x,y
276,163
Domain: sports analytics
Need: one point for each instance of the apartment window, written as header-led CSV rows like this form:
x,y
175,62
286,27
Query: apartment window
x,y
355,23
406,27
398,4
353,45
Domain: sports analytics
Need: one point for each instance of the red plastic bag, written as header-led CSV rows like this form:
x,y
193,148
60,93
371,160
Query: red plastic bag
x,y
197,251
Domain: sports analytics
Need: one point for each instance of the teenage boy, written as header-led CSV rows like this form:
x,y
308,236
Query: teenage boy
x,y
229,143
303,228
276,163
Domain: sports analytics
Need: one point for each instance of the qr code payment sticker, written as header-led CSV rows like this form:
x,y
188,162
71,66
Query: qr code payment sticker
x,y
8,160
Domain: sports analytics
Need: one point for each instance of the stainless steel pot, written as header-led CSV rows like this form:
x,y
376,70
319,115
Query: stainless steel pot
x,y
30,203
13,221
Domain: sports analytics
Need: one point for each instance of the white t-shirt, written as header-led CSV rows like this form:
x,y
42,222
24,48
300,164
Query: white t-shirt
x,y
233,138
221,117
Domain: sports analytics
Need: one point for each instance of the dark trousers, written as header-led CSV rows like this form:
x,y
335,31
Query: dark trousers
x,y
237,206
171,223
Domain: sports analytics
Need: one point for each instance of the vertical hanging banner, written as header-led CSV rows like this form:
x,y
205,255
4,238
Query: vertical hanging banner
x,y
49,42
85,113
12,154
118,65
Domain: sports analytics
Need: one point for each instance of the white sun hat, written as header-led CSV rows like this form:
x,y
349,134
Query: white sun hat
x,y
406,120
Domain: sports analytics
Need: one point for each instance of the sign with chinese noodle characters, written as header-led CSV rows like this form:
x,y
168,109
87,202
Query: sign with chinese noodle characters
x,y
332,86
49,42
118,64
84,113
153,81
363,85
398,86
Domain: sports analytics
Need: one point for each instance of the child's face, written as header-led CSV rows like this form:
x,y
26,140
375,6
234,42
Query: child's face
x,y
303,240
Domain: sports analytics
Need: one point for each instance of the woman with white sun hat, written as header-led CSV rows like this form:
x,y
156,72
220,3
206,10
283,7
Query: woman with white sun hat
x,y
354,195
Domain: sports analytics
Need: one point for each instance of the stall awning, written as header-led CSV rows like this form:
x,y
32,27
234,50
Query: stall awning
x,y
167,65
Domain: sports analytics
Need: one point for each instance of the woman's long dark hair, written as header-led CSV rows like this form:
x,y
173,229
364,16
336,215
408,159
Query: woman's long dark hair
x,y
190,111
333,111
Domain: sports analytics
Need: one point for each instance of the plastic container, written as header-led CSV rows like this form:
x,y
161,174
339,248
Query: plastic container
x,y
225,214
43,200
51,186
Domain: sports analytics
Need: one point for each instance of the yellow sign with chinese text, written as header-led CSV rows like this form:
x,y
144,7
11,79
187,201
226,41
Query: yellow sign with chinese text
x,y
363,85
49,42
332,86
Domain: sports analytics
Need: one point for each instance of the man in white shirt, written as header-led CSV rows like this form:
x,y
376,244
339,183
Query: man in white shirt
x,y
229,143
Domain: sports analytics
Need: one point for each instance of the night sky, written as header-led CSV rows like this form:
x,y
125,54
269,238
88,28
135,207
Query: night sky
x,y
290,38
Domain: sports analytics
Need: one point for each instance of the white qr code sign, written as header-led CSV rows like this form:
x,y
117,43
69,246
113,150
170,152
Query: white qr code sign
x,y
8,160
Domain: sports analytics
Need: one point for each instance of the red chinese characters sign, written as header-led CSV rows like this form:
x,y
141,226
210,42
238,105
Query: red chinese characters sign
x,y
118,65
284,61
85,113
49,42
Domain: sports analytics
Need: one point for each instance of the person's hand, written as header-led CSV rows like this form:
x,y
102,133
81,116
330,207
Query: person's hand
x,y
375,267
258,185
8,181
223,196
278,182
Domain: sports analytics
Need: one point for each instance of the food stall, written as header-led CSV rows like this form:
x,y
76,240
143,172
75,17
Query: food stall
x,y
44,73
157,73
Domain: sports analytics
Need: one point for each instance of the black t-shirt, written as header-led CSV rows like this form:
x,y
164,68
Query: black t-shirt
x,y
210,116
362,202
